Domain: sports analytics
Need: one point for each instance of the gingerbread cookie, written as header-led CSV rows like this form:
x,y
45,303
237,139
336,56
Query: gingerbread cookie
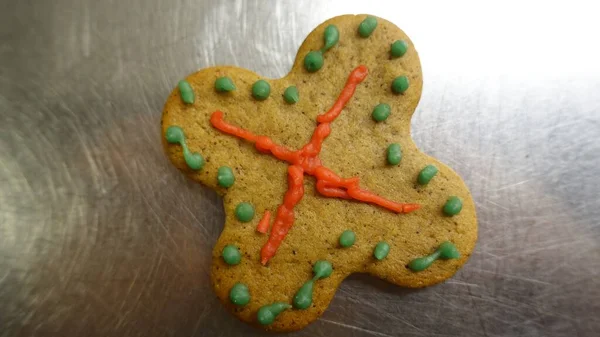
x,y
319,175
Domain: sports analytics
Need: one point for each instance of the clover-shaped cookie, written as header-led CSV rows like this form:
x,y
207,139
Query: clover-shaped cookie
x,y
319,175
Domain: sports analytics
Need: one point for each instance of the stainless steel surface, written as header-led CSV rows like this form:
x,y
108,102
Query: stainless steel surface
x,y
101,236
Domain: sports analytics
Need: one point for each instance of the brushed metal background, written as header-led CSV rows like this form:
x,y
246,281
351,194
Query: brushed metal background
x,y
101,236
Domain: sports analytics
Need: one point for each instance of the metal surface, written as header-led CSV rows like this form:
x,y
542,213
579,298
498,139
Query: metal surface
x,y
101,236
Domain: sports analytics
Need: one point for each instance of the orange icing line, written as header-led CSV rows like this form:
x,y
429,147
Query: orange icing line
x,y
355,78
306,160
285,213
263,224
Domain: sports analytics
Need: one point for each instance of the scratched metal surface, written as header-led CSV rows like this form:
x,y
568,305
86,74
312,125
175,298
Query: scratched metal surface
x,y
101,236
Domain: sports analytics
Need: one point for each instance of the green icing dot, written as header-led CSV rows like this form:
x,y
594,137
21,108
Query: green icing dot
x,y
186,92
291,95
244,212
453,206
239,294
367,26
347,238
225,176
381,250
400,84
303,297
231,255
381,112
331,36
266,314
322,269
398,48
313,61
175,134
446,250
224,84
421,263
394,154
426,174
261,90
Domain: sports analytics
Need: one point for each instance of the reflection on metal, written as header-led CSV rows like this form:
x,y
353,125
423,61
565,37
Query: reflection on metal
x,y
99,235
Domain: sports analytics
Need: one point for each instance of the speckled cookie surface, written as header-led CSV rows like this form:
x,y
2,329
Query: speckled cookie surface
x,y
357,146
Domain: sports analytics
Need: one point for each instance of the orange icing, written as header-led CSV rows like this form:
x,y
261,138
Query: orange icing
x,y
306,161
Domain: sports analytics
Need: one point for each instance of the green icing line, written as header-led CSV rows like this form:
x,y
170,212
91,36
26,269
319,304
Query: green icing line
x,y
303,297
400,84
381,112
231,255
367,26
453,206
239,294
261,90
224,84
426,174
313,61
186,92
447,250
244,212
331,36
398,48
394,154
225,177
382,249
291,95
347,238
175,134
266,314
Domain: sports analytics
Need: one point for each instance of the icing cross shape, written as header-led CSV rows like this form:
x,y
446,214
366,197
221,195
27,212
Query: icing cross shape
x,y
306,161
